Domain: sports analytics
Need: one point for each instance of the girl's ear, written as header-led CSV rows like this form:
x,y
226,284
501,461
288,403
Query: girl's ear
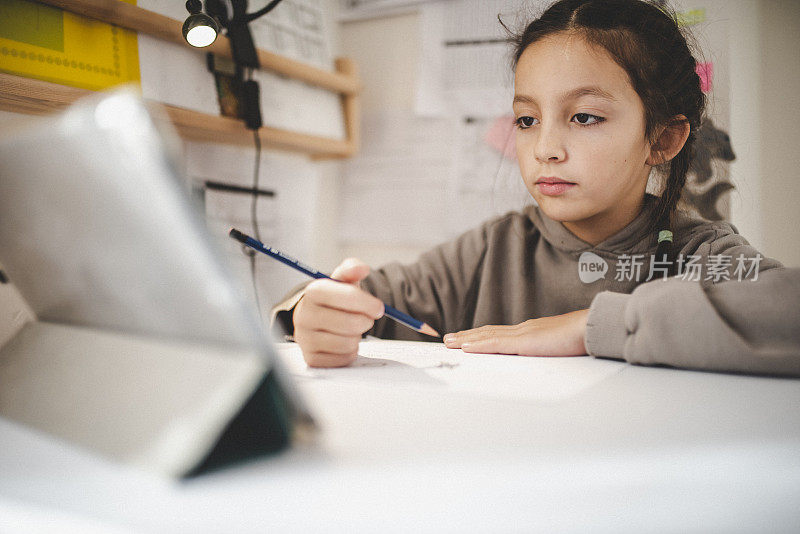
x,y
669,142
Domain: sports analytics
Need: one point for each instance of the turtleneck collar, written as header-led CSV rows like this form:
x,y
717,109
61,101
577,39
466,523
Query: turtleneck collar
x,y
632,238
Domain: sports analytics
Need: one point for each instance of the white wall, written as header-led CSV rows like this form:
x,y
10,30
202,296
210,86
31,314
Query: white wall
x,y
779,93
745,129
765,107
387,52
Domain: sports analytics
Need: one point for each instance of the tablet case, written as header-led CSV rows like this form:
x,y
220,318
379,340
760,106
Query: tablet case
x,y
120,328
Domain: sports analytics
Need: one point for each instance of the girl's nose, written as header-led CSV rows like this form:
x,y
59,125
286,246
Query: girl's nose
x,y
549,146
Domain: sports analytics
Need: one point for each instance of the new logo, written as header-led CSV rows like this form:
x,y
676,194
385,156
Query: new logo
x,y
591,267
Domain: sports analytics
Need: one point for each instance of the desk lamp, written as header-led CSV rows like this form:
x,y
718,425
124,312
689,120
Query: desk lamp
x,y
201,29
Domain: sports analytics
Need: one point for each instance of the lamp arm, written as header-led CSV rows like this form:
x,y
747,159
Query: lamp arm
x,y
218,10
263,11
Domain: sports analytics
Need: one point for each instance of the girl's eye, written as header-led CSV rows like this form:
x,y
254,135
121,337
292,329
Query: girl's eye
x,y
586,119
525,122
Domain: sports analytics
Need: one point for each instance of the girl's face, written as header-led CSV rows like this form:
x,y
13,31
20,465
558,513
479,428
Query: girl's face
x,y
580,136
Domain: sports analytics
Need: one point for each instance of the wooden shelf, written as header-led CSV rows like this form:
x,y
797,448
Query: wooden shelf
x,y
36,97
24,95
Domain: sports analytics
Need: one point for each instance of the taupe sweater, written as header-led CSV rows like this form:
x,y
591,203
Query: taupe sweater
x,y
524,265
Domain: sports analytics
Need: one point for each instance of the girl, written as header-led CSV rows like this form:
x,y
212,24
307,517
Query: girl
x,y
605,91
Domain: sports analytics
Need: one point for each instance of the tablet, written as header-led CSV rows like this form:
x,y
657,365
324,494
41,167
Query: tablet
x,y
100,235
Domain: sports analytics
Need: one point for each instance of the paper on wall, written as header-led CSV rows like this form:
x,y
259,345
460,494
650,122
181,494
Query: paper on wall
x,y
420,181
298,29
465,61
395,190
176,75
350,10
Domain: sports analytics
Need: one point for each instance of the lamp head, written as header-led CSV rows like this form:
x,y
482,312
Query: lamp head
x,y
199,29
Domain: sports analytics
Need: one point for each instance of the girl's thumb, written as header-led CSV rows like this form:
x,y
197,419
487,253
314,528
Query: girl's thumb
x,y
351,270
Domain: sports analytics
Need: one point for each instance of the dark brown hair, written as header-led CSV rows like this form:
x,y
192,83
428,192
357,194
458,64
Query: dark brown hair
x,y
648,44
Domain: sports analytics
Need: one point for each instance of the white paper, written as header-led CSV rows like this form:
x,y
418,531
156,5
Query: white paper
x,y
362,9
395,190
168,8
298,107
465,65
298,29
176,75
411,365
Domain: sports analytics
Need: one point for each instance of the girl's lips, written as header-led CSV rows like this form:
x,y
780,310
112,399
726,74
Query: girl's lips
x,y
553,186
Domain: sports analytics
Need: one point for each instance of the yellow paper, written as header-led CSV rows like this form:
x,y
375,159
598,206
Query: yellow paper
x,y
43,42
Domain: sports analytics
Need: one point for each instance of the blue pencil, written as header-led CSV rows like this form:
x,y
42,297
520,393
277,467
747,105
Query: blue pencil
x,y
389,311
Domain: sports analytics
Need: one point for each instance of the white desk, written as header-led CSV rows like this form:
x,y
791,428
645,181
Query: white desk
x,y
405,446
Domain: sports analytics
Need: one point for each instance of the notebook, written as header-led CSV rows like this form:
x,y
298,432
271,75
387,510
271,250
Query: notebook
x,y
124,332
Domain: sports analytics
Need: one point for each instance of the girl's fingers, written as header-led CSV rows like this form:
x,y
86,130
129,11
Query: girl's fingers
x,y
487,339
501,345
457,339
315,341
324,359
332,314
351,271
344,297
326,319
559,335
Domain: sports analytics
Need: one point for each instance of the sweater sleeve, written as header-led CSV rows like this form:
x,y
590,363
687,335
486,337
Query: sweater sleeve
x,y
280,317
436,289
749,326
433,289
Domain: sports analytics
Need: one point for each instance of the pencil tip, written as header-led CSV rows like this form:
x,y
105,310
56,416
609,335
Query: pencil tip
x,y
426,329
237,235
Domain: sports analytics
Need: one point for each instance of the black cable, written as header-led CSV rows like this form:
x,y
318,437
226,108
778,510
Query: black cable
x,y
254,209
263,11
253,202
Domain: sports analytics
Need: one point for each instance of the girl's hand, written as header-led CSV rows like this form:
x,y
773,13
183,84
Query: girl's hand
x,y
560,335
331,316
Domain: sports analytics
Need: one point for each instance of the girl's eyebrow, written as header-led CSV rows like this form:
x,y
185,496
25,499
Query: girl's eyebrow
x,y
589,90
522,99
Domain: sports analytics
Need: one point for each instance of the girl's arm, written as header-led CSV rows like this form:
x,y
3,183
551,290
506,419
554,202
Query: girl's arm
x,y
743,325
750,326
